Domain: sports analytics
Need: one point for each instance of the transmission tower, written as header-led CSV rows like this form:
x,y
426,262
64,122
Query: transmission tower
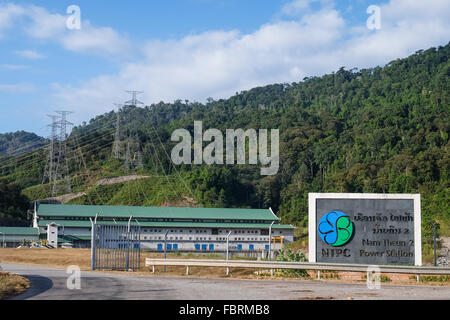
x,y
61,177
117,142
134,101
133,154
52,155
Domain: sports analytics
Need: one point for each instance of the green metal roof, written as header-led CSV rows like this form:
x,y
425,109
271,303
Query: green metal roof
x,y
11,231
55,210
85,224
72,238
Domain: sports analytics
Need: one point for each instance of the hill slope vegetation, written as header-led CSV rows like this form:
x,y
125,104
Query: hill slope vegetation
x,y
377,130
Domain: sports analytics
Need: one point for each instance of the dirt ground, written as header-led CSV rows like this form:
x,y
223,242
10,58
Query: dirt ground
x,y
62,258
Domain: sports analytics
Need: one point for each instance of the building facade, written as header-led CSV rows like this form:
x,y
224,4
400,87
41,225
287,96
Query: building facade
x,y
176,229
12,237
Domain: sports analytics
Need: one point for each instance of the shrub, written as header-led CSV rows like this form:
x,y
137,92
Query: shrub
x,y
289,255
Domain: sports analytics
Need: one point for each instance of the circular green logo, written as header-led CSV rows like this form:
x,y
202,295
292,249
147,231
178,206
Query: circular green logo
x,y
335,228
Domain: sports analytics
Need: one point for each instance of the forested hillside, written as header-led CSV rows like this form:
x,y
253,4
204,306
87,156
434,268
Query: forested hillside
x,y
379,130
13,144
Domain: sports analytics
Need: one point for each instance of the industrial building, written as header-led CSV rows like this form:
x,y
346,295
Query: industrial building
x,y
12,237
173,228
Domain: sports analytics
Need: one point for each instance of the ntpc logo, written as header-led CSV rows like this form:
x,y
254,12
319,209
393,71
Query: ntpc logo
x,y
336,229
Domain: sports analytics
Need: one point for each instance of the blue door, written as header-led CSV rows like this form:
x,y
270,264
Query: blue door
x,y
239,247
175,247
136,246
267,247
197,247
160,247
169,247
211,247
204,247
251,247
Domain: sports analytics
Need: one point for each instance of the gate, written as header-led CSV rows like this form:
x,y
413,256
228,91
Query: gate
x,y
115,247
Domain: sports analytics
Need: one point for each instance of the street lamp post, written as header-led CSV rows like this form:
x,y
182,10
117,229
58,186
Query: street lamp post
x,y
165,247
270,240
270,246
228,250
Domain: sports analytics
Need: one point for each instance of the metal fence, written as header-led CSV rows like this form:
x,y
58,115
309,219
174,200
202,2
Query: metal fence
x,y
115,247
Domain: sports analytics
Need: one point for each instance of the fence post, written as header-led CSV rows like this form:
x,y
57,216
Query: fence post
x,y
93,247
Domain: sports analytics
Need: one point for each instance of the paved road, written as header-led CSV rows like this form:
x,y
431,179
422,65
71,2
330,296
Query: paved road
x,y
50,284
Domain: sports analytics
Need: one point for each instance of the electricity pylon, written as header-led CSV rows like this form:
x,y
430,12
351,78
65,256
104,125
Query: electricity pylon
x,y
133,154
117,142
57,168
134,101
52,155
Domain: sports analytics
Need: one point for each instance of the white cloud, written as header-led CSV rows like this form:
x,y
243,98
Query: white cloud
x,y
308,38
39,23
13,67
8,13
102,41
17,88
30,54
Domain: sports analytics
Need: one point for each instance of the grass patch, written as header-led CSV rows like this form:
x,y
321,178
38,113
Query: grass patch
x,y
384,278
444,279
326,274
12,285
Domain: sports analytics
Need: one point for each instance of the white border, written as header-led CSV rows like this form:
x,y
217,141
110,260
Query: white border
x,y
312,197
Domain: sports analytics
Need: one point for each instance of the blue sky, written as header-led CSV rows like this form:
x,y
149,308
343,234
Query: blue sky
x,y
189,49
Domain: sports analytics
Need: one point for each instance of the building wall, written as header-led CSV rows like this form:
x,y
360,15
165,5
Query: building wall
x,y
16,240
200,239
204,239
